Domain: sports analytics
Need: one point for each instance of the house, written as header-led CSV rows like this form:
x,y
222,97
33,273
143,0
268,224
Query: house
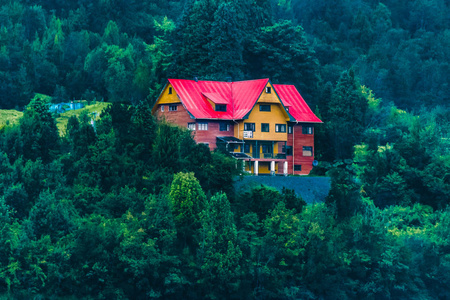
x,y
267,125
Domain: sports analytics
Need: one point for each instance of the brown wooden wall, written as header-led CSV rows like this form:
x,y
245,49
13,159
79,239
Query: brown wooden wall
x,y
298,140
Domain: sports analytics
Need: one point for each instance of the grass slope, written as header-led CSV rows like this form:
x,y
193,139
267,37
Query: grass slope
x,y
9,117
92,110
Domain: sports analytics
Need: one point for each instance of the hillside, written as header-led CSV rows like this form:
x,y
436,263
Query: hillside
x,y
9,117
93,111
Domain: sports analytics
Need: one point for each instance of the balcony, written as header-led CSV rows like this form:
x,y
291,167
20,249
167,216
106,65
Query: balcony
x,y
268,155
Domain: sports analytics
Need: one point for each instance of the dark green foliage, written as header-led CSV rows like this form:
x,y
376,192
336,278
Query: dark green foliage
x,y
134,209
344,198
39,133
289,60
52,216
345,116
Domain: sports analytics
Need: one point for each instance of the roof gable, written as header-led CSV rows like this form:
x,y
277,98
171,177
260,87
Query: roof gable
x,y
298,108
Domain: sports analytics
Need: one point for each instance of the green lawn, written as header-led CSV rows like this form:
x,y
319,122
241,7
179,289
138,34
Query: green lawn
x,y
9,117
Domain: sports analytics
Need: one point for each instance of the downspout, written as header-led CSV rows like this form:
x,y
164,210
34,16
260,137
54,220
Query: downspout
x,y
293,147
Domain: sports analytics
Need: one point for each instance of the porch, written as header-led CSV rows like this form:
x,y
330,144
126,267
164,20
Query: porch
x,y
266,167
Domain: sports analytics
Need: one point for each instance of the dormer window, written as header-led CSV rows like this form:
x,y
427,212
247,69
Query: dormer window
x,y
268,90
221,107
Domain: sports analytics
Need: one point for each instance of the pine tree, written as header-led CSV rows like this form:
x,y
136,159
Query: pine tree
x,y
346,115
226,43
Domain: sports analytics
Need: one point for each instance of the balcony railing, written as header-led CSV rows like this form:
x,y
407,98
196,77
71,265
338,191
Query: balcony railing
x,y
268,155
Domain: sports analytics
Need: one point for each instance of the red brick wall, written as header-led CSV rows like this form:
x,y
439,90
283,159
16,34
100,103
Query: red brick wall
x,y
180,117
209,136
298,140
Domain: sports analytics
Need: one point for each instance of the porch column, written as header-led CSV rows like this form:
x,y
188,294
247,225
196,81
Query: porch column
x,y
272,168
285,168
256,167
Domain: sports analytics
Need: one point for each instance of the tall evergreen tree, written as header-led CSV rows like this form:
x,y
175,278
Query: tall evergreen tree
x,y
346,115
226,42
192,36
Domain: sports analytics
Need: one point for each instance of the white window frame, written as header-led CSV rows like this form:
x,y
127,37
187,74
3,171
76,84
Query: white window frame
x,y
162,108
191,126
279,126
202,126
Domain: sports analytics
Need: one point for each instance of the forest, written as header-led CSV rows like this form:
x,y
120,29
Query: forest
x,y
133,208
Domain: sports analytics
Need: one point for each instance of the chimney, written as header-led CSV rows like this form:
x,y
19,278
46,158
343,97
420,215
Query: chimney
x,y
196,78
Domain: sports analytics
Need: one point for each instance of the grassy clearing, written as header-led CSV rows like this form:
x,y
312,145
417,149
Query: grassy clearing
x,y
63,119
9,117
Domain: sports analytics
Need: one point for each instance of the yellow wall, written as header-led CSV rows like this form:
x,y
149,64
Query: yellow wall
x,y
167,98
277,115
264,167
275,149
269,98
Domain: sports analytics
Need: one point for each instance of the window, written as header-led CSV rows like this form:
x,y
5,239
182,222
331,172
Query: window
x,y
288,150
249,127
191,126
268,89
280,128
203,126
307,129
264,127
264,107
173,107
297,167
290,129
162,107
170,90
224,126
307,151
247,148
221,107
266,148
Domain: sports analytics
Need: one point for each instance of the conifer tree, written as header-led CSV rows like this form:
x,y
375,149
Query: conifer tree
x,y
226,42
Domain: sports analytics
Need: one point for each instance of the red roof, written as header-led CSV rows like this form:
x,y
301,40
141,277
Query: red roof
x,y
297,106
240,97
